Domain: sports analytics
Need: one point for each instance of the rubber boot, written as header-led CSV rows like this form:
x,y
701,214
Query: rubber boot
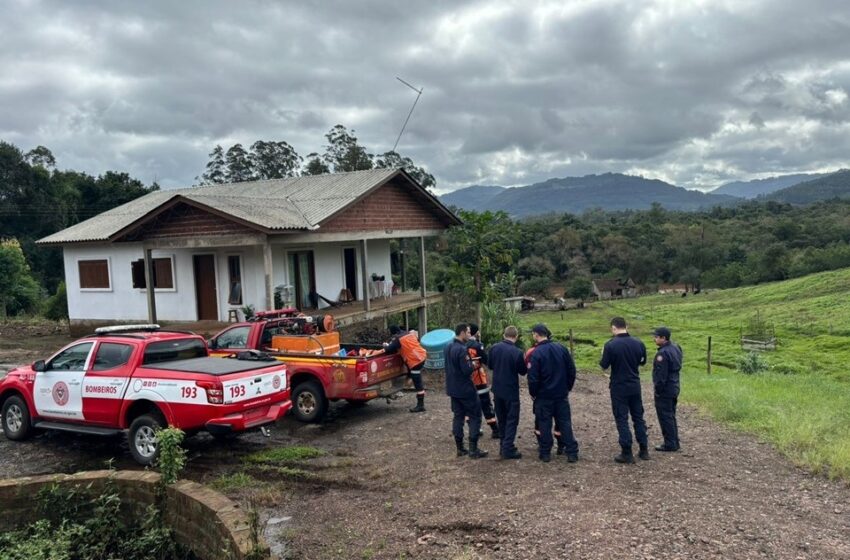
x,y
461,450
625,456
644,452
474,452
420,404
495,431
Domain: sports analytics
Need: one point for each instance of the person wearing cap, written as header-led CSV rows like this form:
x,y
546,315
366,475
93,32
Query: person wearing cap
x,y
665,378
407,344
461,390
551,377
479,378
507,363
624,354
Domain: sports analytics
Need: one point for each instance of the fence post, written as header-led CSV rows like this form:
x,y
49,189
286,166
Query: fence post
x,y
572,348
708,360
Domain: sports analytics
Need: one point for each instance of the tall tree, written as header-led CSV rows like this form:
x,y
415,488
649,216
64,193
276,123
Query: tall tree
x,y
343,153
315,165
393,159
239,166
41,157
216,171
274,160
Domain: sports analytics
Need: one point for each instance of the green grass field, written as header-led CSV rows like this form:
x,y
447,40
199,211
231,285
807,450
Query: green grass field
x,y
801,404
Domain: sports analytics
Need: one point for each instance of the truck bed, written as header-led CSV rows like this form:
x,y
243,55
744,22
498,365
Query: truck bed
x,y
213,366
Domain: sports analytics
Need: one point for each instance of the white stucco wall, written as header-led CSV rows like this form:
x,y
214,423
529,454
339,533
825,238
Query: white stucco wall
x,y
122,302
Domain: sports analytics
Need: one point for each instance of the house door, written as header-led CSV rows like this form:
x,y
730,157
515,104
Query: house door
x,y
349,259
205,287
302,275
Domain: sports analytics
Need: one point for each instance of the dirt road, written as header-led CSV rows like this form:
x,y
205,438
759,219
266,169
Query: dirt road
x,y
390,486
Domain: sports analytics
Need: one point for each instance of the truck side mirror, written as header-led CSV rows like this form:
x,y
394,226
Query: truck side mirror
x,y
39,366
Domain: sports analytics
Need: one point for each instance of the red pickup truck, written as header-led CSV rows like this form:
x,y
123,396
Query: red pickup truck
x,y
316,379
139,379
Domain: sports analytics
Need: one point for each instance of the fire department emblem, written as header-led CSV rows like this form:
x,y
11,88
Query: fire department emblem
x,y
276,382
61,393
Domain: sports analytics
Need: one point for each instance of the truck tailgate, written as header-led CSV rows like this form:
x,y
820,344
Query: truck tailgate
x,y
384,367
246,386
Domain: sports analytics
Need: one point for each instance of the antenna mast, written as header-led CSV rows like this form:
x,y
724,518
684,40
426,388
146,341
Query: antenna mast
x,y
419,94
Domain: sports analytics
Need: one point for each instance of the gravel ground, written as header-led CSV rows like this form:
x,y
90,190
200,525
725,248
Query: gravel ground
x,y
390,486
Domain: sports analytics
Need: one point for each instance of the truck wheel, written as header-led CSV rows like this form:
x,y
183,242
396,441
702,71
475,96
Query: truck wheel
x,y
308,402
16,419
142,438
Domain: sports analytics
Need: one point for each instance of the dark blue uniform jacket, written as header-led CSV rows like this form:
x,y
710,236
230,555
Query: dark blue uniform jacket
x,y
665,370
507,362
624,354
459,371
551,371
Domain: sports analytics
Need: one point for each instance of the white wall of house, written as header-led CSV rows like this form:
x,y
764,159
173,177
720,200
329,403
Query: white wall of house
x,y
329,265
122,302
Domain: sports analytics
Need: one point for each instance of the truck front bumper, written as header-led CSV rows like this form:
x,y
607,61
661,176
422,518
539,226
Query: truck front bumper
x,y
248,419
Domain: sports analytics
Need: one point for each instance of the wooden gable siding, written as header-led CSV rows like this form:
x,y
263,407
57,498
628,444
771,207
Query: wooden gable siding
x,y
389,207
184,220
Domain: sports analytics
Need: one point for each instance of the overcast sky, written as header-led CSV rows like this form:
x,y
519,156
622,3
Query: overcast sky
x,y
696,93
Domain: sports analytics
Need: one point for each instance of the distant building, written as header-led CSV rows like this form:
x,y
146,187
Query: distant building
x,y
612,288
672,288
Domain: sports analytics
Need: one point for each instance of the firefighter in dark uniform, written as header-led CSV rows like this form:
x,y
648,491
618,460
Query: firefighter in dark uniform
x,y
507,363
665,378
624,354
407,344
551,376
557,430
479,378
464,397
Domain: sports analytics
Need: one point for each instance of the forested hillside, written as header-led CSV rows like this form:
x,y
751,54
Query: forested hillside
x,y
834,185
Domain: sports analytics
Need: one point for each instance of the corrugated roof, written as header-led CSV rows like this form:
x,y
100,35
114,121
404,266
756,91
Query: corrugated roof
x,y
298,203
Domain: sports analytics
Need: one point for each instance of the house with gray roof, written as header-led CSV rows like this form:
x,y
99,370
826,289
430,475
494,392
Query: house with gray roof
x,y
614,288
203,253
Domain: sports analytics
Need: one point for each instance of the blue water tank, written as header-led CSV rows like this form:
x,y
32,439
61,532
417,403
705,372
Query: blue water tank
x,y
434,343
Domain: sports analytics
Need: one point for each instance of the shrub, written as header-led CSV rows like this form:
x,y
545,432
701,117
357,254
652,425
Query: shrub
x,y
56,308
535,287
752,363
172,456
495,317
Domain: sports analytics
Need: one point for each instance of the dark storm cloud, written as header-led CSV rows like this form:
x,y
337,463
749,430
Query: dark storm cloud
x,y
692,92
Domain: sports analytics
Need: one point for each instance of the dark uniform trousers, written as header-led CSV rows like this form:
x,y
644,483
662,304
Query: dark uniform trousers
x,y
559,409
507,417
665,406
415,374
623,404
467,407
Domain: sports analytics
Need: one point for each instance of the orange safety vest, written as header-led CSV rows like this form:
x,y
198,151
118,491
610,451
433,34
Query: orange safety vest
x,y
479,375
411,351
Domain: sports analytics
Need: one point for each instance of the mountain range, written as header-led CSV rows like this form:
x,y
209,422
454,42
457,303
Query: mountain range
x,y
616,191
759,187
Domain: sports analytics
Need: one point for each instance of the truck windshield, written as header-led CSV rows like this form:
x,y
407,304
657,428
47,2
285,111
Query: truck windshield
x,y
170,350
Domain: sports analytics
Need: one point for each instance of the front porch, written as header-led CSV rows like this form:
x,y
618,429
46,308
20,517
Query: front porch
x,y
344,315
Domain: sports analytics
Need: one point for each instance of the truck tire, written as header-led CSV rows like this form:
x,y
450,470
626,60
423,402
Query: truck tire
x,y
142,438
16,419
308,402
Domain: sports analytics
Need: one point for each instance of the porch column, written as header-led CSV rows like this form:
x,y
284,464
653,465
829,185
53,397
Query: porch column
x,y
149,287
267,266
364,256
423,311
